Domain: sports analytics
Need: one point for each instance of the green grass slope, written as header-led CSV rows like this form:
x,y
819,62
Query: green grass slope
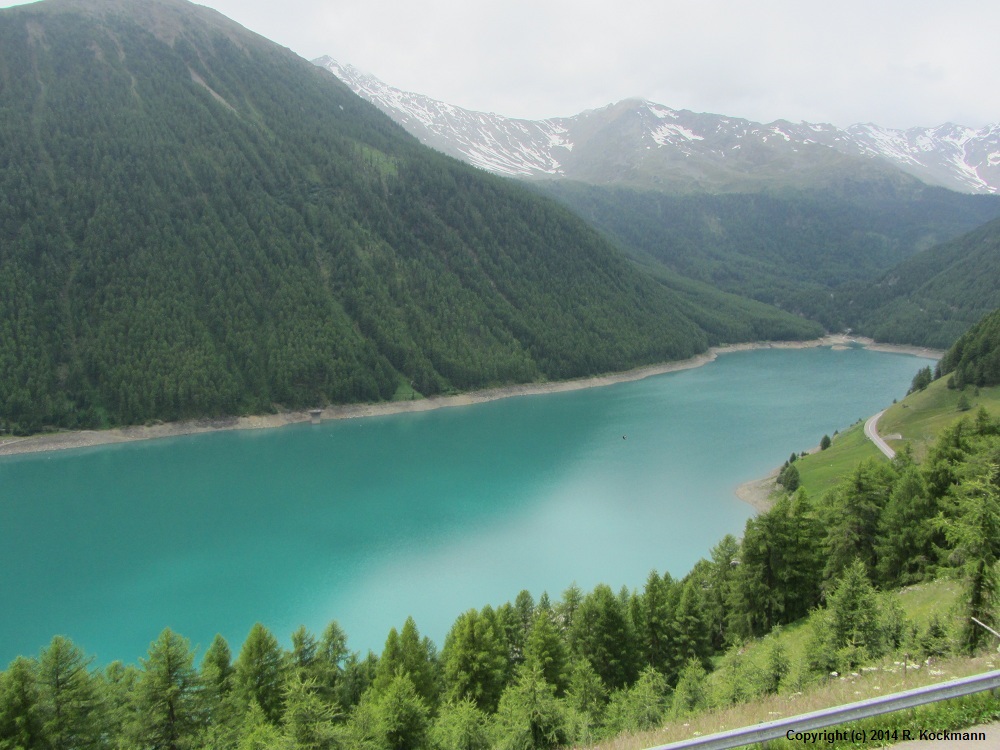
x,y
820,472
922,416
914,424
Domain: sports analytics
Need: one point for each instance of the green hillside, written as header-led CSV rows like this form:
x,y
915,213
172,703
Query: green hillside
x,y
975,357
791,248
194,221
935,296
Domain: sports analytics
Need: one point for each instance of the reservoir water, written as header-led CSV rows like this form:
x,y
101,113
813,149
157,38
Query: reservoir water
x,y
368,521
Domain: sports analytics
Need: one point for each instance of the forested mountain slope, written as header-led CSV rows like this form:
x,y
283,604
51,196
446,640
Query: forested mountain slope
x,y
195,221
791,248
933,297
975,357
784,213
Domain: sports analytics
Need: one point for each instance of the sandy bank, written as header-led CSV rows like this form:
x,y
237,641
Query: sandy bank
x,y
87,438
757,492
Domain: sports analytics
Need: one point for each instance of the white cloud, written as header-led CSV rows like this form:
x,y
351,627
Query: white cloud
x,y
898,63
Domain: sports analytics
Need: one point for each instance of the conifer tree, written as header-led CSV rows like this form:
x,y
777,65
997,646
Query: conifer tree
x,y
777,580
258,733
567,607
586,693
851,629
603,634
404,716
356,678
545,648
305,653
530,716
973,529
690,694
474,660
906,538
328,668
524,605
308,720
720,578
692,638
216,695
653,622
853,517
639,707
119,705
217,667
166,699
259,673
460,726
390,663
69,706
20,721
419,661
789,478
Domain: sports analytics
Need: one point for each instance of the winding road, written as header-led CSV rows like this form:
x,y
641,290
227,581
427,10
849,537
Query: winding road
x,y
871,432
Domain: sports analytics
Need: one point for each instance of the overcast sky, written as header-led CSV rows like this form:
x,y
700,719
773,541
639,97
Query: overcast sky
x,y
898,63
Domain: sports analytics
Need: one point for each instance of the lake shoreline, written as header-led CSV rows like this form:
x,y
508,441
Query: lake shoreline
x,y
71,439
757,492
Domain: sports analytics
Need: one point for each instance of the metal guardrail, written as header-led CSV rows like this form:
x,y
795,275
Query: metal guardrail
x,y
851,712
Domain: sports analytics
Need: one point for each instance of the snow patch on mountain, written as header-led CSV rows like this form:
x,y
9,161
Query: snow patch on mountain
x,y
617,137
658,110
666,135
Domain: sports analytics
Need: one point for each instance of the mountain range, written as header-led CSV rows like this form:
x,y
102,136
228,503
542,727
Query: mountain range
x,y
863,227
643,144
194,221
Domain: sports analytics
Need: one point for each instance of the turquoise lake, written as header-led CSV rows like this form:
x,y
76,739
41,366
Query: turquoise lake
x,y
367,521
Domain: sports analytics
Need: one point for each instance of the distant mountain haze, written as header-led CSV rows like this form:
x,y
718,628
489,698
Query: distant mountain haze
x,y
863,227
647,145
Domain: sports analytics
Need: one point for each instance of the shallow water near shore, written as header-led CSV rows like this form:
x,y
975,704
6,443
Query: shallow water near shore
x,y
367,521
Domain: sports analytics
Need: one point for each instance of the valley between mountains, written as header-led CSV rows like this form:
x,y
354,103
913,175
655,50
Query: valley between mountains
x,y
201,230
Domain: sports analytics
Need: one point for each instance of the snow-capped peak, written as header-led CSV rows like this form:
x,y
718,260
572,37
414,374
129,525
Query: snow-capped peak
x,y
613,142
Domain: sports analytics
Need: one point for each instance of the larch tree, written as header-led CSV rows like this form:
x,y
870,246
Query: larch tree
x,y
259,672
904,546
69,699
474,661
530,716
974,532
20,721
167,695
603,634
460,726
545,648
